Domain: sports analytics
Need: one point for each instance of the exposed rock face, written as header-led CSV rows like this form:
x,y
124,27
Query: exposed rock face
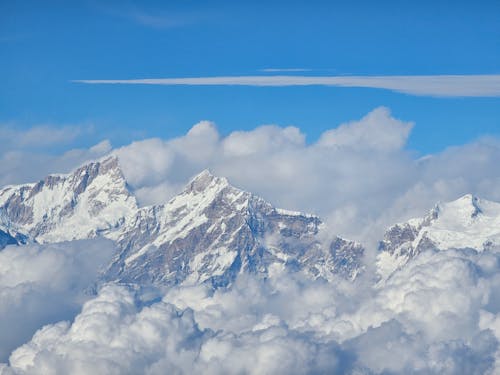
x,y
467,222
210,232
213,231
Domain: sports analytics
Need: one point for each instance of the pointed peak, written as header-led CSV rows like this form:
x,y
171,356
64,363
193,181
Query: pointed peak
x,y
107,168
104,164
204,180
467,206
206,173
467,200
108,165
109,159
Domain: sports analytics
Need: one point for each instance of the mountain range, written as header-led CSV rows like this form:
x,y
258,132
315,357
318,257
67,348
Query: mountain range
x,y
211,231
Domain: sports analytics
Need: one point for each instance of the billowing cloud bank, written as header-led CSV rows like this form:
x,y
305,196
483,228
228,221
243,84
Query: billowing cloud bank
x,y
41,284
438,315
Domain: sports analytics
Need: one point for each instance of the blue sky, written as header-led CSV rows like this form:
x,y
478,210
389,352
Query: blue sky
x,y
45,47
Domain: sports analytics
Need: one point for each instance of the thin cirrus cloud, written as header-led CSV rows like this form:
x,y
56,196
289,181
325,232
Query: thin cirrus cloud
x,y
274,70
424,85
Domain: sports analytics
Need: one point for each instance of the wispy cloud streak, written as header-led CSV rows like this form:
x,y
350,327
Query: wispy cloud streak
x,y
428,85
274,70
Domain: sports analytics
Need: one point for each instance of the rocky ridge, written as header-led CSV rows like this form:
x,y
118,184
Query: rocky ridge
x,y
468,222
210,232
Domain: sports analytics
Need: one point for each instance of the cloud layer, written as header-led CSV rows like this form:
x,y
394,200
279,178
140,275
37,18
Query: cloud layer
x,y
436,316
41,284
430,85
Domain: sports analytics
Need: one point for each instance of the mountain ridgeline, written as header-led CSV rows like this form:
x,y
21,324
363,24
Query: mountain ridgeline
x,y
212,231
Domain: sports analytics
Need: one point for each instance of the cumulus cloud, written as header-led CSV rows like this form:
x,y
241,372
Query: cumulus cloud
x,y
41,284
431,85
112,335
376,131
265,139
438,315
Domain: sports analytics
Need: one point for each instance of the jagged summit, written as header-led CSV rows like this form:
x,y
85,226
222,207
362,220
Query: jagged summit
x,y
467,222
92,199
466,207
213,231
210,232
204,180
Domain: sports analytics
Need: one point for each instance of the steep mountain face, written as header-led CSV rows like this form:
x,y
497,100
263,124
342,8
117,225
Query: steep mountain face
x,y
468,222
210,232
213,231
91,201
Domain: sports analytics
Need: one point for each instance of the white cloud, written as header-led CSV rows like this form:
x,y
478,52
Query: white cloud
x,y
113,335
146,162
433,317
274,70
376,131
158,168
430,85
44,284
265,139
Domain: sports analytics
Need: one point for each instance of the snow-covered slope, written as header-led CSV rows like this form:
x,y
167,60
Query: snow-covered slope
x,y
468,222
212,231
92,200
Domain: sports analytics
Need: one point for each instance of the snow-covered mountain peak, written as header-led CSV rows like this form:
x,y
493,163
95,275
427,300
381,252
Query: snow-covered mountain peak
x,y
463,209
212,231
209,232
205,180
206,192
467,222
63,207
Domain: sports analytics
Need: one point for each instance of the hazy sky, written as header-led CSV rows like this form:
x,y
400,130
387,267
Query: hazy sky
x,y
46,46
